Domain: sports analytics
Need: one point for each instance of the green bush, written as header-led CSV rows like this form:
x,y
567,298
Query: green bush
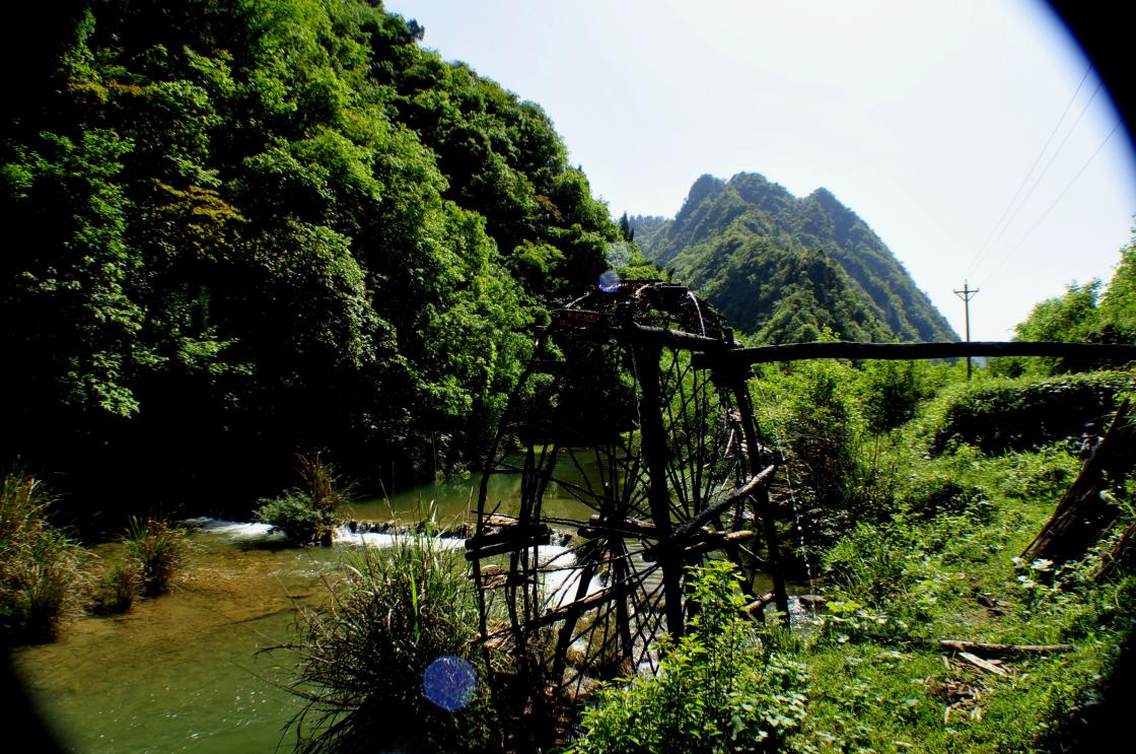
x,y
720,688
41,579
362,658
892,392
159,550
1008,415
295,517
832,471
306,515
938,491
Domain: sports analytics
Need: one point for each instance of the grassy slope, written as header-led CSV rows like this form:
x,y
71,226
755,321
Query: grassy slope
x,y
877,687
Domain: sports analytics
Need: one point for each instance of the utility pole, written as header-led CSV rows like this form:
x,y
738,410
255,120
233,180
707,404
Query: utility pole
x,y
966,294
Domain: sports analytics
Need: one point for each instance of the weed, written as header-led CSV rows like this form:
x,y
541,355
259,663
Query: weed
x,y
115,590
720,688
307,515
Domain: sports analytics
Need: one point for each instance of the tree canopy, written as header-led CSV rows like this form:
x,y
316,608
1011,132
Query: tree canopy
x,y
248,226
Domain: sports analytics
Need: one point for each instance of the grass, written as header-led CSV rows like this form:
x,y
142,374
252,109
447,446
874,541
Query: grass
x,y
41,574
116,588
930,554
879,684
157,550
363,658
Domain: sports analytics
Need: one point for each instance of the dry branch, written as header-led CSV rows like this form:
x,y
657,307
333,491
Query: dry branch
x,y
959,645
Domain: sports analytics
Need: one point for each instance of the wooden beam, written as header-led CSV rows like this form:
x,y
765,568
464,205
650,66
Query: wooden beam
x,y
738,357
757,482
591,602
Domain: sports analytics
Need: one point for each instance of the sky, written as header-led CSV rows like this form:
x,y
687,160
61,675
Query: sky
x,y
972,136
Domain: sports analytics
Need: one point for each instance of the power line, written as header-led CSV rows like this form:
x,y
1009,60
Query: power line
x,y
1025,180
1045,214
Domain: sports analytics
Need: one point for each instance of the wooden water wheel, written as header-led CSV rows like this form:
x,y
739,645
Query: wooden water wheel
x,y
618,464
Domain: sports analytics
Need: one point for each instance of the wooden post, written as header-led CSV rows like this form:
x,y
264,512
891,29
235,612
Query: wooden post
x,y
654,440
737,384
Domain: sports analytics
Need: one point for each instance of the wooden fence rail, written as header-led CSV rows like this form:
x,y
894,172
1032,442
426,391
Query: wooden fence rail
x,y
741,357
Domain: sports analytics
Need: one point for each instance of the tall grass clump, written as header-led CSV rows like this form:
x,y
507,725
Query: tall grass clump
x,y
41,576
116,587
157,551
306,514
721,688
363,657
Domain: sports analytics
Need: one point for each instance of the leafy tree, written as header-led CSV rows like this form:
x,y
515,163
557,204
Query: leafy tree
x,y
258,227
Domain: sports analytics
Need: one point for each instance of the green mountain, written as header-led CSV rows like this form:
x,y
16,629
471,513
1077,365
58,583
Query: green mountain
x,y
784,268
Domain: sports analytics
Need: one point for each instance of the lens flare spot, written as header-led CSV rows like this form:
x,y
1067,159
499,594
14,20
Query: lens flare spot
x,y
609,281
449,682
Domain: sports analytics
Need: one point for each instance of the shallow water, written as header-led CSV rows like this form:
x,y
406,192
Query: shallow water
x,y
183,672
189,671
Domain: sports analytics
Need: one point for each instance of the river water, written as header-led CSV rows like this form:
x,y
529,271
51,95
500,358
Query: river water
x,y
194,670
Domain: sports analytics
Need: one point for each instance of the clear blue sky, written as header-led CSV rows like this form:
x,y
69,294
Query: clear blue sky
x,y
924,118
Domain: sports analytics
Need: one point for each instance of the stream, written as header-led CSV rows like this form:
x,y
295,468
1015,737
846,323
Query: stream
x,y
194,670
187,671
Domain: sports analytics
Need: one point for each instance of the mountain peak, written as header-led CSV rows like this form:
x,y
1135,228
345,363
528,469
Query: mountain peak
x,y
785,267
706,186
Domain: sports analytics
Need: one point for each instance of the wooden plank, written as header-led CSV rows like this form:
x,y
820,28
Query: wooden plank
x,y
590,602
1082,515
764,507
507,534
627,527
533,539
654,439
912,351
707,542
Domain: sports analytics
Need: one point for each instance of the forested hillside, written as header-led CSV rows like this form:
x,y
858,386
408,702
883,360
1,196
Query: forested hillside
x,y
247,228
785,268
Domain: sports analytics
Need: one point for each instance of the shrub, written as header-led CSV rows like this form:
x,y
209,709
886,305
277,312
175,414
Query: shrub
x,y
306,515
295,517
40,569
832,465
940,491
1008,416
363,658
159,550
893,390
720,688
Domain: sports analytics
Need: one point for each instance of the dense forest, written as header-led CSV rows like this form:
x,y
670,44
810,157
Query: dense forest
x,y
248,228
786,269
